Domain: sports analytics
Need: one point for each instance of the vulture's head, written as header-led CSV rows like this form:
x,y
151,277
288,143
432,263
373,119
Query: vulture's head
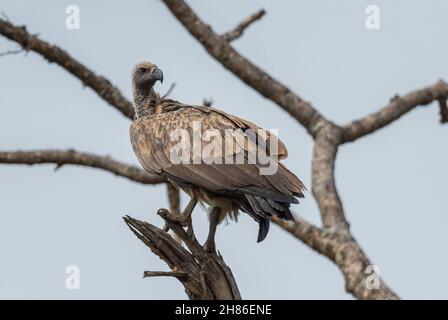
x,y
145,74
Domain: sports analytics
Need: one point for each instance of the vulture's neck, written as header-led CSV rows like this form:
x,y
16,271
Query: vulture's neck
x,y
145,102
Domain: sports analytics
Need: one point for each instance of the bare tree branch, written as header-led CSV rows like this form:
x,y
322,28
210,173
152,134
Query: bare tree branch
x,y
170,90
244,69
397,107
72,157
175,274
4,16
344,252
204,276
309,234
323,181
52,53
11,52
240,28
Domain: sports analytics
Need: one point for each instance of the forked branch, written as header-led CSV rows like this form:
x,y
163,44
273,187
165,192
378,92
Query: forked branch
x,y
204,276
398,107
253,76
240,28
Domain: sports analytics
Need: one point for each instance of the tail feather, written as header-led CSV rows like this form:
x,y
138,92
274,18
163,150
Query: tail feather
x,y
263,229
263,209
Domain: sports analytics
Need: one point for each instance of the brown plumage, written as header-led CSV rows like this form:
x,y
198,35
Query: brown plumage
x,y
225,187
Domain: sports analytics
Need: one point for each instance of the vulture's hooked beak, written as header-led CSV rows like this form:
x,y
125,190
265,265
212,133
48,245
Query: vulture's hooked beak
x,y
150,77
158,75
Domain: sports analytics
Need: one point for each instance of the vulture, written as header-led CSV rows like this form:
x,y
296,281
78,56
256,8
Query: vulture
x,y
229,180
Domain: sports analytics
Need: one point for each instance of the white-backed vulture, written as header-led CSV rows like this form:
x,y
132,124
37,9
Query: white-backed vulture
x,y
224,184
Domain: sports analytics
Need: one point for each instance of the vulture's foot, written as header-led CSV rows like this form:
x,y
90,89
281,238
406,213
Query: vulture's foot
x,y
209,247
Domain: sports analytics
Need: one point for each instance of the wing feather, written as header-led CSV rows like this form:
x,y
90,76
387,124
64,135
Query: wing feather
x,y
152,142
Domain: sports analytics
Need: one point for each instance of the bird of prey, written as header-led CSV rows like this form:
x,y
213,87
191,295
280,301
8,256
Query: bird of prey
x,y
226,187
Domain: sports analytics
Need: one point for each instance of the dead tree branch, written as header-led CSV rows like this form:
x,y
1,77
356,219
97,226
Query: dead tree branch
x,y
170,90
309,234
240,28
397,107
103,87
344,252
244,69
175,274
323,181
11,52
72,157
204,276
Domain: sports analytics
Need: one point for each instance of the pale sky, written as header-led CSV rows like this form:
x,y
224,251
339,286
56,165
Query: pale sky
x,y
393,183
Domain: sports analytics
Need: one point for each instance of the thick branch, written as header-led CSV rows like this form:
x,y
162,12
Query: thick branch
x,y
397,107
323,181
240,28
344,252
204,276
63,157
309,234
335,241
354,263
52,53
244,69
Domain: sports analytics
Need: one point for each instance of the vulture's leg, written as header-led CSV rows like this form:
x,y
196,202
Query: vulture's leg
x,y
209,245
186,217
186,214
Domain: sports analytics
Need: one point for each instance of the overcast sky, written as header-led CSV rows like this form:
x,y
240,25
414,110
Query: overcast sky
x,y
393,183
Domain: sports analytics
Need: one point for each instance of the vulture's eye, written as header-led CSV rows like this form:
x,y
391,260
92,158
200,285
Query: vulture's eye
x,y
142,70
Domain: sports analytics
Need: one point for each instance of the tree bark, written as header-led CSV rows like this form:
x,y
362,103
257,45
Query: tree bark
x,y
205,276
